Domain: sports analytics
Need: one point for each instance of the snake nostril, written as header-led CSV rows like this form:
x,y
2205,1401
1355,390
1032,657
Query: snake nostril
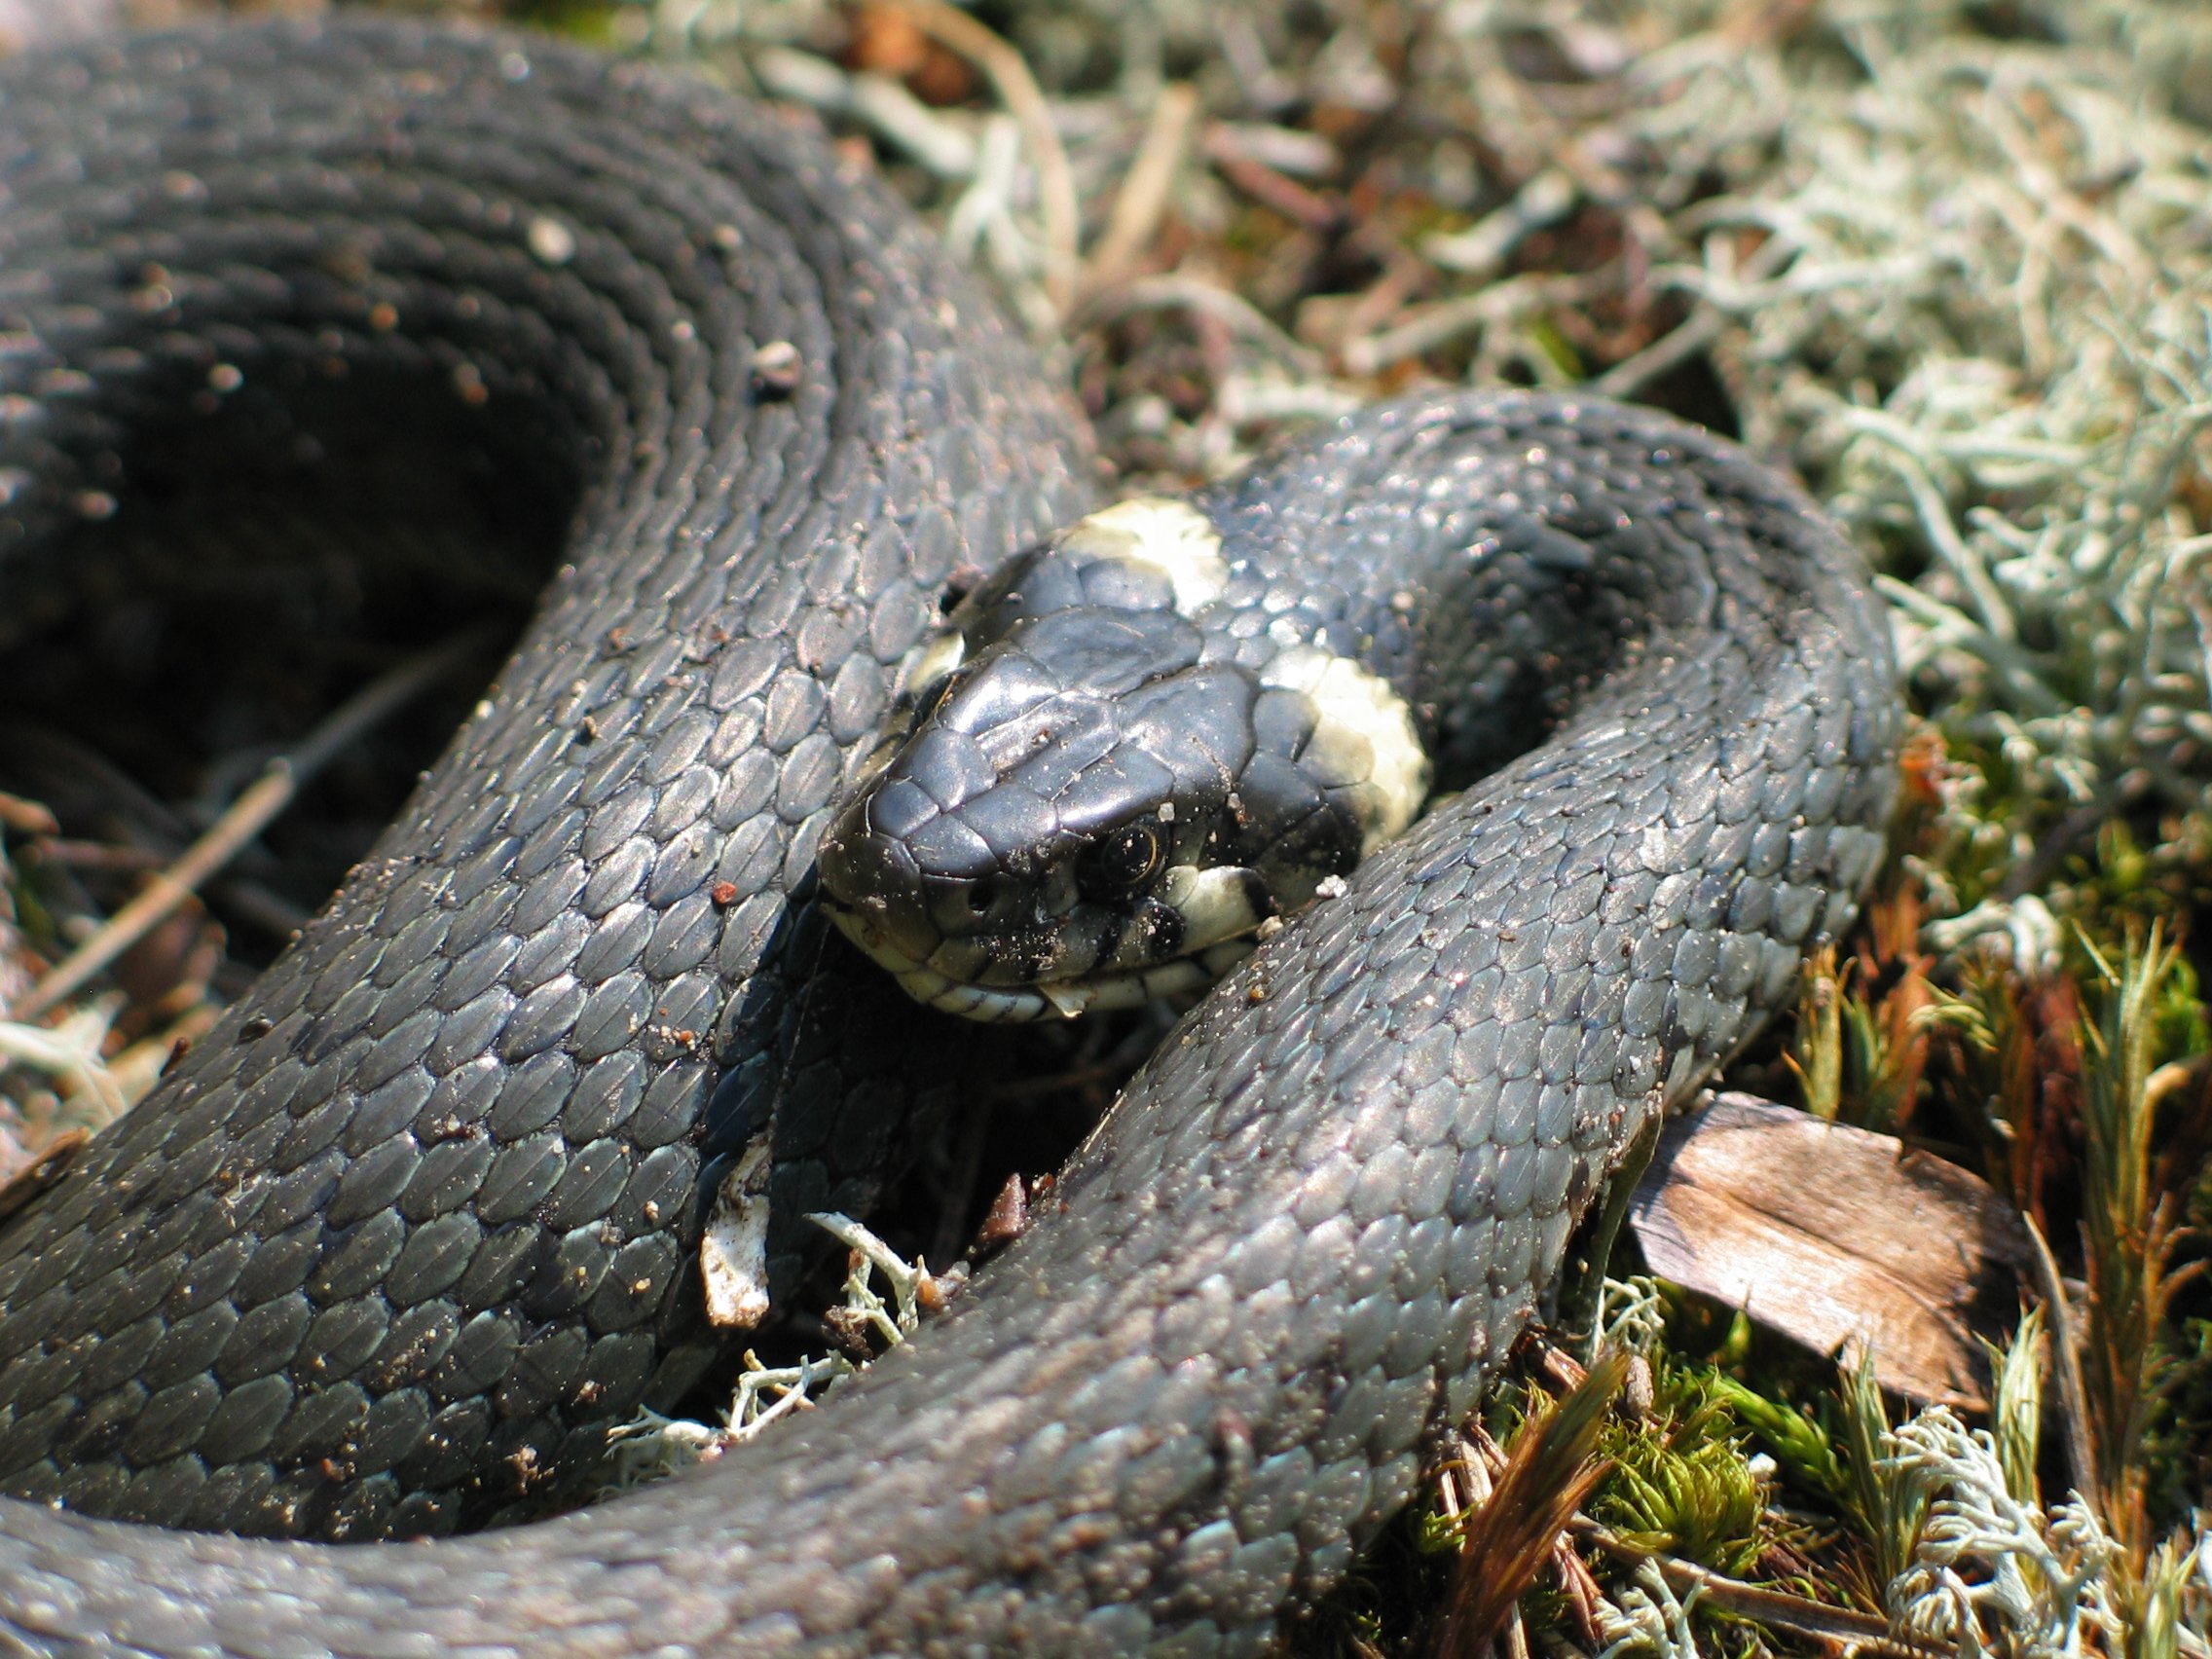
x,y
984,897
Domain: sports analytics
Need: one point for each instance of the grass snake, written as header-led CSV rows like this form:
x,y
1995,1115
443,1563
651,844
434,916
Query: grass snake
x,y
416,1218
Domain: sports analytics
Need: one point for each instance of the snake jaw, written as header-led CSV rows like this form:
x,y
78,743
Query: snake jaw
x,y
1035,999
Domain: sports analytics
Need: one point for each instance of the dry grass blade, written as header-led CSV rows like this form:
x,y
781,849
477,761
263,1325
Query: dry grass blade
x,y
26,817
1550,1468
1843,1628
1017,89
1142,201
256,807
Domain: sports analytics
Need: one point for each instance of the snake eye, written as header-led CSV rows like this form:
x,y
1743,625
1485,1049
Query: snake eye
x,y
1117,863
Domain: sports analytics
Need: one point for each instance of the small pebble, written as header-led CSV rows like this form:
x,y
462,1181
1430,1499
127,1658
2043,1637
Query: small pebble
x,y
776,369
551,243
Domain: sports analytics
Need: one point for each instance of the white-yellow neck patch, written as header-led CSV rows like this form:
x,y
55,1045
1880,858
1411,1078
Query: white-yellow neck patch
x,y
1170,536
1361,719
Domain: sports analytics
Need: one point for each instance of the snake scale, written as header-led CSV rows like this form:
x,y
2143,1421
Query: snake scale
x,y
417,1215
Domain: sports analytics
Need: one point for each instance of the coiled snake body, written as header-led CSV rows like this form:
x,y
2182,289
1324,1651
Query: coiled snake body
x,y
418,1214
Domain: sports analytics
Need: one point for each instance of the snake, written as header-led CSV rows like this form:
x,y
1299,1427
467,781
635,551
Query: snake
x,y
420,1218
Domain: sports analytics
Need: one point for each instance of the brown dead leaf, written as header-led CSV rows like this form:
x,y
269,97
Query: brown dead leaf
x,y
168,968
1835,1237
890,40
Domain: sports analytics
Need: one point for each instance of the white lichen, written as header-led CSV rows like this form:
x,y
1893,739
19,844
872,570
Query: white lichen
x,y
652,1446
1648,1618
1992,1572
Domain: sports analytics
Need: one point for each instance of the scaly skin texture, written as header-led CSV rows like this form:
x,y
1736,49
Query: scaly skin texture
x,y
421,1214
462,1109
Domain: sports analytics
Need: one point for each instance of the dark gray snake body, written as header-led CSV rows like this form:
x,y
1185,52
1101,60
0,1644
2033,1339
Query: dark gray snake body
x,y
420,1209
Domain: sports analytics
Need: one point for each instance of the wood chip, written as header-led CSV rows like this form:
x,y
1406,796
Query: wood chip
x,y
1835,1237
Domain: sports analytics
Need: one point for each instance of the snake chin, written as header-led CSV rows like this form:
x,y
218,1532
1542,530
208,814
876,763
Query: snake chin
x,y
1067,998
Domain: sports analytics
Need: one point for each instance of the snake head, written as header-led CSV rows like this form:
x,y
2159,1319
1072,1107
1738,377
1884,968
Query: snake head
x,y
1086,796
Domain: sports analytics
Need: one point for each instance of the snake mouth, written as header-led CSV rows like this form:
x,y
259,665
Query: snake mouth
x,y
1030,938
1065,998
